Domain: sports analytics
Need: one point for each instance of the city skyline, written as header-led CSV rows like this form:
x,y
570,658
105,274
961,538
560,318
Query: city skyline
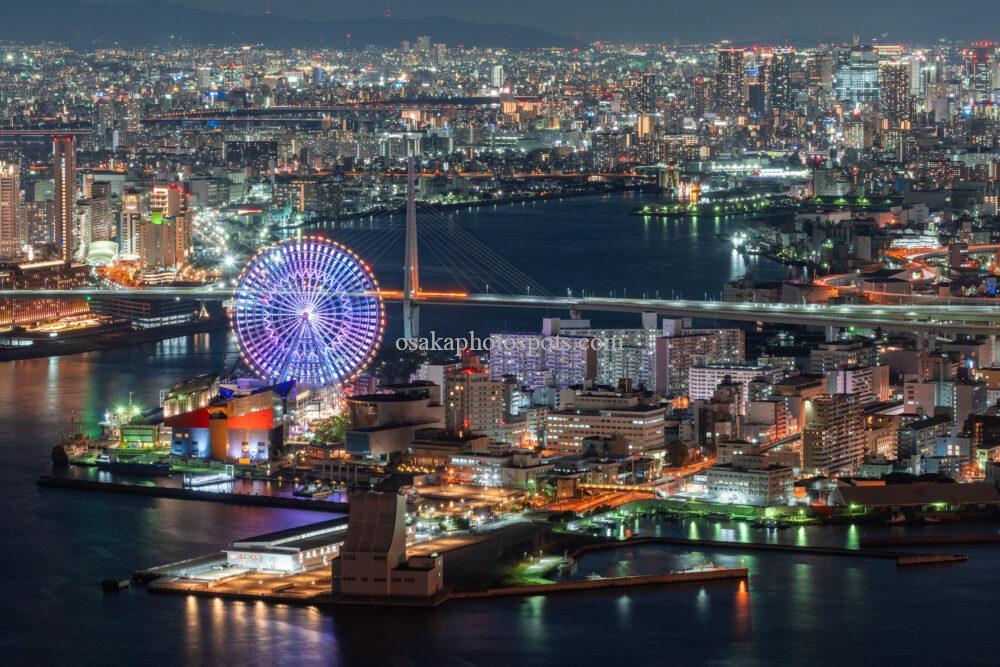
x,y
484,24
400,339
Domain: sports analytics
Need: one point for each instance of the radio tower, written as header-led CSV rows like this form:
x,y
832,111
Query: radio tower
x,y
411,269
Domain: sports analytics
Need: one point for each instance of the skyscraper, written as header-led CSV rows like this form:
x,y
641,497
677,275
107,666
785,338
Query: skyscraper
x,y
980,59
497,76
779,81
895,100
729,82
857,75
64,178
10,209
131,220
820,69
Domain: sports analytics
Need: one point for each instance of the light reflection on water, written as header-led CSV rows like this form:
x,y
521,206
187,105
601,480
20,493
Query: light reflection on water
x,y
68,541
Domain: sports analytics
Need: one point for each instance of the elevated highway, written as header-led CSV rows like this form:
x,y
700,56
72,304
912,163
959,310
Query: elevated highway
x,y
919,318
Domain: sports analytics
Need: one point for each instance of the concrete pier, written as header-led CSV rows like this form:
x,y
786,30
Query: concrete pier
x,y
901,558
194,494
721,574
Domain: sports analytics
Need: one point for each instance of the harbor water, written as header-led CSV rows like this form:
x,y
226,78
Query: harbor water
x,y
796,608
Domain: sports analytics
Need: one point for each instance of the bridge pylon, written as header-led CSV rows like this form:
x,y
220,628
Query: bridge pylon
x,y
411,266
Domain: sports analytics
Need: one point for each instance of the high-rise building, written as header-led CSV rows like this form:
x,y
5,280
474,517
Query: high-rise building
x,y
608,149
820,68
677,350
64,189
133,207
833,440
895,100
165,239
857,75
979,60
497,78
10,209
473,402
729,81
780,95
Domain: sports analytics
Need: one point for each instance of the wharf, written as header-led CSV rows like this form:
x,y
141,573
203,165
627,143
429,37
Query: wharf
x,y
901,558
154,491
981,538
106,340
693,576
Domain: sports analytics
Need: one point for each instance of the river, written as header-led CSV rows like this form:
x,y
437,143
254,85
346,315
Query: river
x,y
61,543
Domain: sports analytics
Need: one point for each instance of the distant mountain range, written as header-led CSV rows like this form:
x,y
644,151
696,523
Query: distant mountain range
x,y
133,24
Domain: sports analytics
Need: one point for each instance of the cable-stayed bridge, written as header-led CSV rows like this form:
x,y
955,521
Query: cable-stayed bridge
x,y
455,268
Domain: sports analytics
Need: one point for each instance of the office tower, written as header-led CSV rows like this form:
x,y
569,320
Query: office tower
x,y
497,78
757,98
833,440
857,75
895,101
10,209
472,400
64,190
820,68
729,82
979,61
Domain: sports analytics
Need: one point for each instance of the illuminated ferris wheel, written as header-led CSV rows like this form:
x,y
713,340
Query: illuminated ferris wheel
x,y
307,310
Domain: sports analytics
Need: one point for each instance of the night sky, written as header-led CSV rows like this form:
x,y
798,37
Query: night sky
x,y
666,20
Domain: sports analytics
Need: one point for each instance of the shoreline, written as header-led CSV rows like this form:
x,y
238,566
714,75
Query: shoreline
x,y
401,210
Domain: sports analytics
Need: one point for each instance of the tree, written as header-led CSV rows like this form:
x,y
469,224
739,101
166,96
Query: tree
x,y
395,366
677,453
331,430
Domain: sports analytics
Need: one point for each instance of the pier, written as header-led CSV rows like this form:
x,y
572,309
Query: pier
x,y
331,506
901,558
693,576
982,538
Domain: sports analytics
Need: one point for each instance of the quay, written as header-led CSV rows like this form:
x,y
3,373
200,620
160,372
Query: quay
x,y
718,574
901,558
330,506
107,340
981,538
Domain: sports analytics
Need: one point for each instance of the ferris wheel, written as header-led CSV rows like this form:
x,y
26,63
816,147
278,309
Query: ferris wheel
x,y
307,310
